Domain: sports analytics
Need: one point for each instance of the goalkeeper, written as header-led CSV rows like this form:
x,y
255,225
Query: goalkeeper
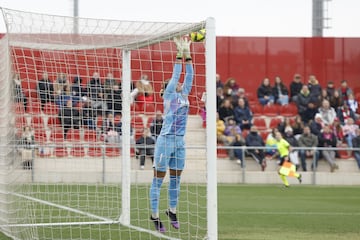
x,y
170,145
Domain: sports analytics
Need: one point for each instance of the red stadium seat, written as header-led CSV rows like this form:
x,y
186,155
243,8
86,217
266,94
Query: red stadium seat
x,y
274,122
57,137
271,110
149,108
53,122
221,153
91,138
77,149
40,136
33,107
289,110
37,122
20,121
51,108
257,109
112,151
260,123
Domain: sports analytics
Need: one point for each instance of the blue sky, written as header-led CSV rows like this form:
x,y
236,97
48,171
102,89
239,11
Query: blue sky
x,y
233,17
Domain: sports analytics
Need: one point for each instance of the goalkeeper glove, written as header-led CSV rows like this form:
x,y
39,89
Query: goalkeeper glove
x,y
179,47
186,49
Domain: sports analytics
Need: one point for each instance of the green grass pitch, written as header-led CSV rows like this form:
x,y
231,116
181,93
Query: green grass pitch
x,y
244,212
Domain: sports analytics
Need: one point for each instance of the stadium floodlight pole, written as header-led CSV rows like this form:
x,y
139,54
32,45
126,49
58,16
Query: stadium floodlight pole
x,y
125,119
212,223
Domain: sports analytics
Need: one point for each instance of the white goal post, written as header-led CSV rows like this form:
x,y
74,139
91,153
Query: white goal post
x,y
62,175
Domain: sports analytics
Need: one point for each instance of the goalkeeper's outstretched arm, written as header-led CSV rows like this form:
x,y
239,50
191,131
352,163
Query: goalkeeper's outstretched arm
x,y
189,75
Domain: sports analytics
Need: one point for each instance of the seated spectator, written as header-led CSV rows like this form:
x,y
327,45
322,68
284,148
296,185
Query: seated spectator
x,y
69,117
336,100
109,83
77,91
352,103
231,130
345,90
285,122
338,131
230,87
253,139
327,113
295,87
344,113
143,91
265,93
60,83
297,126
324,95
219,98
95,88
281,94
307,140
243,115
226,110
88,114
330,88
219,83
45,90
99,104
110,130
306,104
327,139
19,95
238,142
290,138
145,147
349,131
270,143
156,124
356,144
64,96
316,125
314,86
240,93
114,100
27,140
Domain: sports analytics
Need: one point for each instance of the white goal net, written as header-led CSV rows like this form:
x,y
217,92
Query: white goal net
x,y
76,97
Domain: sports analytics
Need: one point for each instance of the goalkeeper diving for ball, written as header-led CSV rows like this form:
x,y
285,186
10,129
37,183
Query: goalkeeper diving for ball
x,y
170,145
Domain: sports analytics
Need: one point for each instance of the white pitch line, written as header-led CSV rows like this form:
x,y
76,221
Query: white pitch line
x,y
292,213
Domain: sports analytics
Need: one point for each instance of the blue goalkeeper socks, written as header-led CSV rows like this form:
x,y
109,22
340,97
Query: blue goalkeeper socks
x,y
174,190
155,195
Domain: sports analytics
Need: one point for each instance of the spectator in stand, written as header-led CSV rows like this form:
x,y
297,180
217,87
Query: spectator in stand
x,y
314,86
316,125
253,139
280,91
27,139
356,144
230,87
239,141
352,103
77,91
295,87
45,90
338,131
349,131
143,91
64,96
327,113
109,83
344,113
285,122
114,100
307,140
95,88
290,138
324,95
327,139
226,110
336,100
110,129
240,93
243,115
60,83
306,104
219,83
88,115
69,117
19,95
99,104
145,147
156,124
219,97
297,126
330,88
231,130
345,90
265,93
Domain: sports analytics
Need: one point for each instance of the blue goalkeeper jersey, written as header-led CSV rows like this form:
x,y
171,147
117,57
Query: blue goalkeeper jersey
x,y
176,104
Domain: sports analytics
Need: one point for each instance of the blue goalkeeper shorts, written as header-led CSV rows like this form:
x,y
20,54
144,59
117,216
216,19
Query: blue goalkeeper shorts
x,y
169,153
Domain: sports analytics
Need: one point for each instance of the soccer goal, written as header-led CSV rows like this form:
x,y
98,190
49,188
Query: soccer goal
x,y
70,121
